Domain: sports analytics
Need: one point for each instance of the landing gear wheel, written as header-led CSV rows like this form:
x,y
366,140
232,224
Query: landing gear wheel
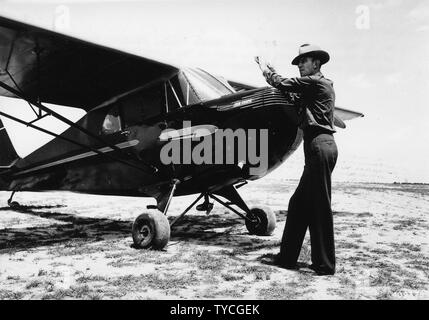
x,y
151,230
264,221
14,204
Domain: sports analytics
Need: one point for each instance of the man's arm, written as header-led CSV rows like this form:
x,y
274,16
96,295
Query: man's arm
x,y
298,85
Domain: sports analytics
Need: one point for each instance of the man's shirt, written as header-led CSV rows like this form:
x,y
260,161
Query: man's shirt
x,y
317,98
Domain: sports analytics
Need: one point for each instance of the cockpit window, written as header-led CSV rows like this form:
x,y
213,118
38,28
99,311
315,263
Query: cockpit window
x,y
197,86
112,122
218,82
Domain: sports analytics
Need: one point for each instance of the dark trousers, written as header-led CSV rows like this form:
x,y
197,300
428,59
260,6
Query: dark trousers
x,y
310,206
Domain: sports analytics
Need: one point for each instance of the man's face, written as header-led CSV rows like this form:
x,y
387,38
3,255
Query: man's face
x,y
307,66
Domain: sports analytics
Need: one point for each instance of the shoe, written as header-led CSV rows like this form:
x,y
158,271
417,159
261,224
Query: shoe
x,y
270,260
275,260
320,271
289,267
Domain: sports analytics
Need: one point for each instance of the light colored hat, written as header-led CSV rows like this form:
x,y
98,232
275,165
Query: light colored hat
x,y
313,51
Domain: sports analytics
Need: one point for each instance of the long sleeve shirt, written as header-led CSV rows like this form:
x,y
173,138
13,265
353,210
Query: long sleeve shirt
x,y
317,98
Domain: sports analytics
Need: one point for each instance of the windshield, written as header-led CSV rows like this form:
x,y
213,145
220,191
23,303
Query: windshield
x,y
197,86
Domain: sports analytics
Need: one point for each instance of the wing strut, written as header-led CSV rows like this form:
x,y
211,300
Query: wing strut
x,y
75,142
65,120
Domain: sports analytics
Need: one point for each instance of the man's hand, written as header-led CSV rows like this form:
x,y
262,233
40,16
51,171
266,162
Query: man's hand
x,y
264,65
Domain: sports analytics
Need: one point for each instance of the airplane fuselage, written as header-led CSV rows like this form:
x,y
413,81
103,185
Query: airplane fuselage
x,y
60,165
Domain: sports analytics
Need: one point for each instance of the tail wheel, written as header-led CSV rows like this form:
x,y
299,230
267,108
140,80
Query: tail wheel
x,y
263,221
14,204
151,230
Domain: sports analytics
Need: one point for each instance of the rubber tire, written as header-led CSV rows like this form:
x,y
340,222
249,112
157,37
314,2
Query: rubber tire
x,y
158,231
14,205
266,224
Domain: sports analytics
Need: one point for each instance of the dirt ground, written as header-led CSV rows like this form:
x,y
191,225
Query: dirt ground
x,y
73,246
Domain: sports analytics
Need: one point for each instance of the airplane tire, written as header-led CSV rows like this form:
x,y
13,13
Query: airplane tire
x,y
151,231
265,224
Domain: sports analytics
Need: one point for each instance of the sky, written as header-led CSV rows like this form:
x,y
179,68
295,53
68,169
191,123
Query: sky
x,y
379,62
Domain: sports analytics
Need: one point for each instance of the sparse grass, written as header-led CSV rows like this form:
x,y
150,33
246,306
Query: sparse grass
x,y
259,272
375,261
137,257
208,293
305,254
346,281
123,262
385,278
236,292
157,257
414,284
257,268
282,291
406,224
10,295
74,292
49,286
354,235
55,274
381,251
34,284
91,278
410,247
95,296
114,255
262,276
252,246
232,276
421,263
206,260
156,281
344,293
348,245
42,273
76,247
168,281
385,294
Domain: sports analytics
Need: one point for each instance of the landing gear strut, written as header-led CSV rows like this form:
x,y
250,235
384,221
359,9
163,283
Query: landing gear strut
x,y
152,230
259,221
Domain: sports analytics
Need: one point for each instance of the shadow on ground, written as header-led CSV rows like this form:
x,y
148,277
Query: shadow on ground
x,y
75,227
216,229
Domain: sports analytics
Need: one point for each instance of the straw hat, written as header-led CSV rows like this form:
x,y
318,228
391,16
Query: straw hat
x,y
312,51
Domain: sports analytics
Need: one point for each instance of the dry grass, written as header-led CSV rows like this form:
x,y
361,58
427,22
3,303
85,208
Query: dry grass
x,y
67,246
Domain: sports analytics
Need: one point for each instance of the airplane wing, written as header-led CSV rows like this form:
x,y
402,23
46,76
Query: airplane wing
x,y
51,67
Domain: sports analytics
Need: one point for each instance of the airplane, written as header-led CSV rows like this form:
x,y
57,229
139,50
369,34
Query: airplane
x,y
134,107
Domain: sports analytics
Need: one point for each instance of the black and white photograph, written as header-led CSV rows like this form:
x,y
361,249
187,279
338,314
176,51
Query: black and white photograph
x,y
212,150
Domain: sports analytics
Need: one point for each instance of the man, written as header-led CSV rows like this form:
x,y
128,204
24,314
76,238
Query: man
x,y
310,205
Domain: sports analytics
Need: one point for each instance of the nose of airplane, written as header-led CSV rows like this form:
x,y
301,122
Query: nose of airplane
x,y
275,114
